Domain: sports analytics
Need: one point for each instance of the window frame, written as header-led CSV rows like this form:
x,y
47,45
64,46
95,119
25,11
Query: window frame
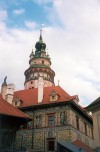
x,y
77,123
51,123
85,128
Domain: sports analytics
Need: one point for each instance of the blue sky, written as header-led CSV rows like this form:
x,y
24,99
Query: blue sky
x,y
27,10
72,34
19,11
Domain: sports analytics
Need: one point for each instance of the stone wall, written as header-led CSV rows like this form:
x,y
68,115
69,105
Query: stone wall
x,y
62,130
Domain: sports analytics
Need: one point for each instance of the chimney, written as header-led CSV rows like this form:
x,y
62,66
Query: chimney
x,y
4,88
10,92
40,89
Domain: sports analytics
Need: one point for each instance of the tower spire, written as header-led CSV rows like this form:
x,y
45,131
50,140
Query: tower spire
x,y
40,34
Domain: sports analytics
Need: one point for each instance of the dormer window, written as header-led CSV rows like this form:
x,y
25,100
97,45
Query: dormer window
x,y
17,102
54,96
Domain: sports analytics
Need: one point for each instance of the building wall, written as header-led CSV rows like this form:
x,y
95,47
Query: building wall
x,y
34,84
96,124
64,128
39,61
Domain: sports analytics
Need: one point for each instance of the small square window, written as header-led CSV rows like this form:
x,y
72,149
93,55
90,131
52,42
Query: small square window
x,y
53,97
42,62
16,103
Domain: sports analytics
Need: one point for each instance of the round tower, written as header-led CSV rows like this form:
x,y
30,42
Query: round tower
x,y
40,66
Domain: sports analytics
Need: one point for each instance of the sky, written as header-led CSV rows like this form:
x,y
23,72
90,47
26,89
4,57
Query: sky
x,y
71,32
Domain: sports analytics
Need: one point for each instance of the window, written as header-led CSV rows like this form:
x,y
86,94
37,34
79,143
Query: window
x,y
85,128
42,62
51,120
38,121
31,82
15,103
53,97
92,132
62,118
29,125
77,122
31,75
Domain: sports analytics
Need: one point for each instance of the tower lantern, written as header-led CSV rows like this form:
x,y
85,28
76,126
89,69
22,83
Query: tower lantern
x,y
40,66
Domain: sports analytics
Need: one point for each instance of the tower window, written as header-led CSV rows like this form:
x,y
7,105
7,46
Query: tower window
x,y
42,62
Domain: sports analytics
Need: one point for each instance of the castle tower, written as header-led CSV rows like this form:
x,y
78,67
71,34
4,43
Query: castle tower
x,y
40,66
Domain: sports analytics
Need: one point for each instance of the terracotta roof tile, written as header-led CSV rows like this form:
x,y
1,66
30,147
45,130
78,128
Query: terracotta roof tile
x,y
30,96
82,145
8,109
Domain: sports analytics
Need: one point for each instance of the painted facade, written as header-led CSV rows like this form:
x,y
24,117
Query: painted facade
x,y
53,124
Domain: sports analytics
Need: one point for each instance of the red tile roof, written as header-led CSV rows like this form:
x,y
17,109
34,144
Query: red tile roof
x,y
80,144
8,109
30,97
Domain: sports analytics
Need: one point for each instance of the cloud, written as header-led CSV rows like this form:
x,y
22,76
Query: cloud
x,y
74,47
19,11
30,24
42,1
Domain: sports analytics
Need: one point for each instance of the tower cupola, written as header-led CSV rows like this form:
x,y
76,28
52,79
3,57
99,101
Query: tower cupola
x,y
40,66
40,45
